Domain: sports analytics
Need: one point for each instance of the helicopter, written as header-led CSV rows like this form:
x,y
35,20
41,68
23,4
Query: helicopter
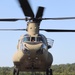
x,y
32,50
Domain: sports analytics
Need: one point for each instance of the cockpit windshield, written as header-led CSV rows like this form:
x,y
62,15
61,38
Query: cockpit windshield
x,y
31,39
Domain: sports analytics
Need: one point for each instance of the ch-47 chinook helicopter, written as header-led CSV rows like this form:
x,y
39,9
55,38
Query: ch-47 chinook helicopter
x,y
32,53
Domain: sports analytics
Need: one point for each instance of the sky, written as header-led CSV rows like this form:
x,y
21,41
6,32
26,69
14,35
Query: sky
x,y
63,49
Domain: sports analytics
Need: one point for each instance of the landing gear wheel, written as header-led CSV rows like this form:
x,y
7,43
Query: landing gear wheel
x,y
49,72
15,71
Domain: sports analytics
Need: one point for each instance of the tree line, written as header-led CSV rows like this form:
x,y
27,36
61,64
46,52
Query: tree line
x,y
62,69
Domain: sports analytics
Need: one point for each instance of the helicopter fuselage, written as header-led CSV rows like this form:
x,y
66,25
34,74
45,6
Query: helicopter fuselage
x,y
32,50
33,54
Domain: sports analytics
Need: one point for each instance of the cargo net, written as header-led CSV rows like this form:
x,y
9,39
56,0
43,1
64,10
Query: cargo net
x,y
50,42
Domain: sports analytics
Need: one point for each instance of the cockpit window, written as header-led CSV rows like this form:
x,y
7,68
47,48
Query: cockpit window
x,y
39,39
32,38
25,39
36,39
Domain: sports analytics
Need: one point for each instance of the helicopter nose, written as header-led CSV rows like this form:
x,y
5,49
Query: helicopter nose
x,y
33,46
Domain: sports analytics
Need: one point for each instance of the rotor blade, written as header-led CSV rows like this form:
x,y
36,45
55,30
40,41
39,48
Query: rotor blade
x,y
40,12
59,18
9,19
26,8
12,29
57,30
14,19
